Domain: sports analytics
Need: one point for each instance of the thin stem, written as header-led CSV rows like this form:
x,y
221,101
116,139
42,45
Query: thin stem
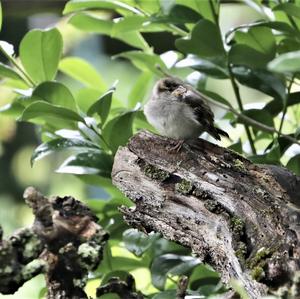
x,y
213,11
285,105
13,61
240,104
291,19
247,119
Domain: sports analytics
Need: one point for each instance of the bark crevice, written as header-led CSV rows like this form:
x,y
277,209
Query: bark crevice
x,y
241,217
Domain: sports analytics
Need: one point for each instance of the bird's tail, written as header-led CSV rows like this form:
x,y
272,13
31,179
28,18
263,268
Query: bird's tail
x,y
216,132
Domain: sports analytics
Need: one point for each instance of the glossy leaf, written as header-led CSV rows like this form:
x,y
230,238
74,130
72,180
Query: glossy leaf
x,y
14,109
127,24
55,93
288,45
170,264
91,23
76,5
260,39
178,14
209,67
211,44
286,63
246,56
55,145
259,115
102,106
294,164
7,48
202,275
275,106
91,162
118,130
289,8
87,96
40,51
8,72
144,61
262,80
81,70
137,242
202,7
41,109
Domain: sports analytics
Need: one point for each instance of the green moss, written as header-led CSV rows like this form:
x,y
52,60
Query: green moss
x,y
241,250
155,173
259,258
237,225
257,273
184,187
238,164
213,206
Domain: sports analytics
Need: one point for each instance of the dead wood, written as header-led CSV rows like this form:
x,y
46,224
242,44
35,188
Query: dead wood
x,y
240,217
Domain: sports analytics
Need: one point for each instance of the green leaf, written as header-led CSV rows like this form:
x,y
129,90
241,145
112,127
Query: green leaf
x,y
259,38
169,294
55,93
55,145
118,130
41,109
294,164
8,72
14,109
203,275
205,41
40,51
259,115
288,45
289,8
144,61
102,106
170,264
178,14
262,80
202,7
286,63
92,23
213,68
246,56
137,242
140,88
82,71
127,24
91,162
275,106
85,97
76,5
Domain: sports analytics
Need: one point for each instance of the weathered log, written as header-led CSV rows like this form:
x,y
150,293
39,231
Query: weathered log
x,y
64,243
240,217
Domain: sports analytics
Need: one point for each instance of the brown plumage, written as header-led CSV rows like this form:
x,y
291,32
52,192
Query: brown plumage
x,y
177,110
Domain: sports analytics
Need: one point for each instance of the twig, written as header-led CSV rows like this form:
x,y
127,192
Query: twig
x,y
181,287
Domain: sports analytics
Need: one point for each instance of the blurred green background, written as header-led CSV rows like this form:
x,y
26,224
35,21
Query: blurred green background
x,y
17,140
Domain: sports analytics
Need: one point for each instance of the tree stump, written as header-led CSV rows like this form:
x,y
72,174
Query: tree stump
x,y
240,217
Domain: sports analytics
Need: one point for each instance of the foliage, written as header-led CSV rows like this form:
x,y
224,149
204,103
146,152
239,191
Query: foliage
x,y
264,56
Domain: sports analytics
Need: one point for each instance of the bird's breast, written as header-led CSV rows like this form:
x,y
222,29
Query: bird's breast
x,y
172,119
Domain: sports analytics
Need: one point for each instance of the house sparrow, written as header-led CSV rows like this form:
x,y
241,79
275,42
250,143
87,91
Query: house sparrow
x,y
178,111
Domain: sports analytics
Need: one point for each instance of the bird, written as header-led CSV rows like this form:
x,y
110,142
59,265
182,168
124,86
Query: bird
x,y
178,111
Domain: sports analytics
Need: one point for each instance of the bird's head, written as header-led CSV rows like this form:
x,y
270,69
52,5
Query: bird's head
x,y
166,86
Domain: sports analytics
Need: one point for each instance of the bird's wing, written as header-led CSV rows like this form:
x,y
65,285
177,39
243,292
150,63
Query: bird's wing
x,y
202,111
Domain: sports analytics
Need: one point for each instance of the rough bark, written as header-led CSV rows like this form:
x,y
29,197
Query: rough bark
x,y
64,243
241,218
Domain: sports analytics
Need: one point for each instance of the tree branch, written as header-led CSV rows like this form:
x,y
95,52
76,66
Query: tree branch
x,y
237,216
64,243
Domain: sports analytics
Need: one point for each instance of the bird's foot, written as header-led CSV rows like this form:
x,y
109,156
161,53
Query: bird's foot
x,y
177,147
